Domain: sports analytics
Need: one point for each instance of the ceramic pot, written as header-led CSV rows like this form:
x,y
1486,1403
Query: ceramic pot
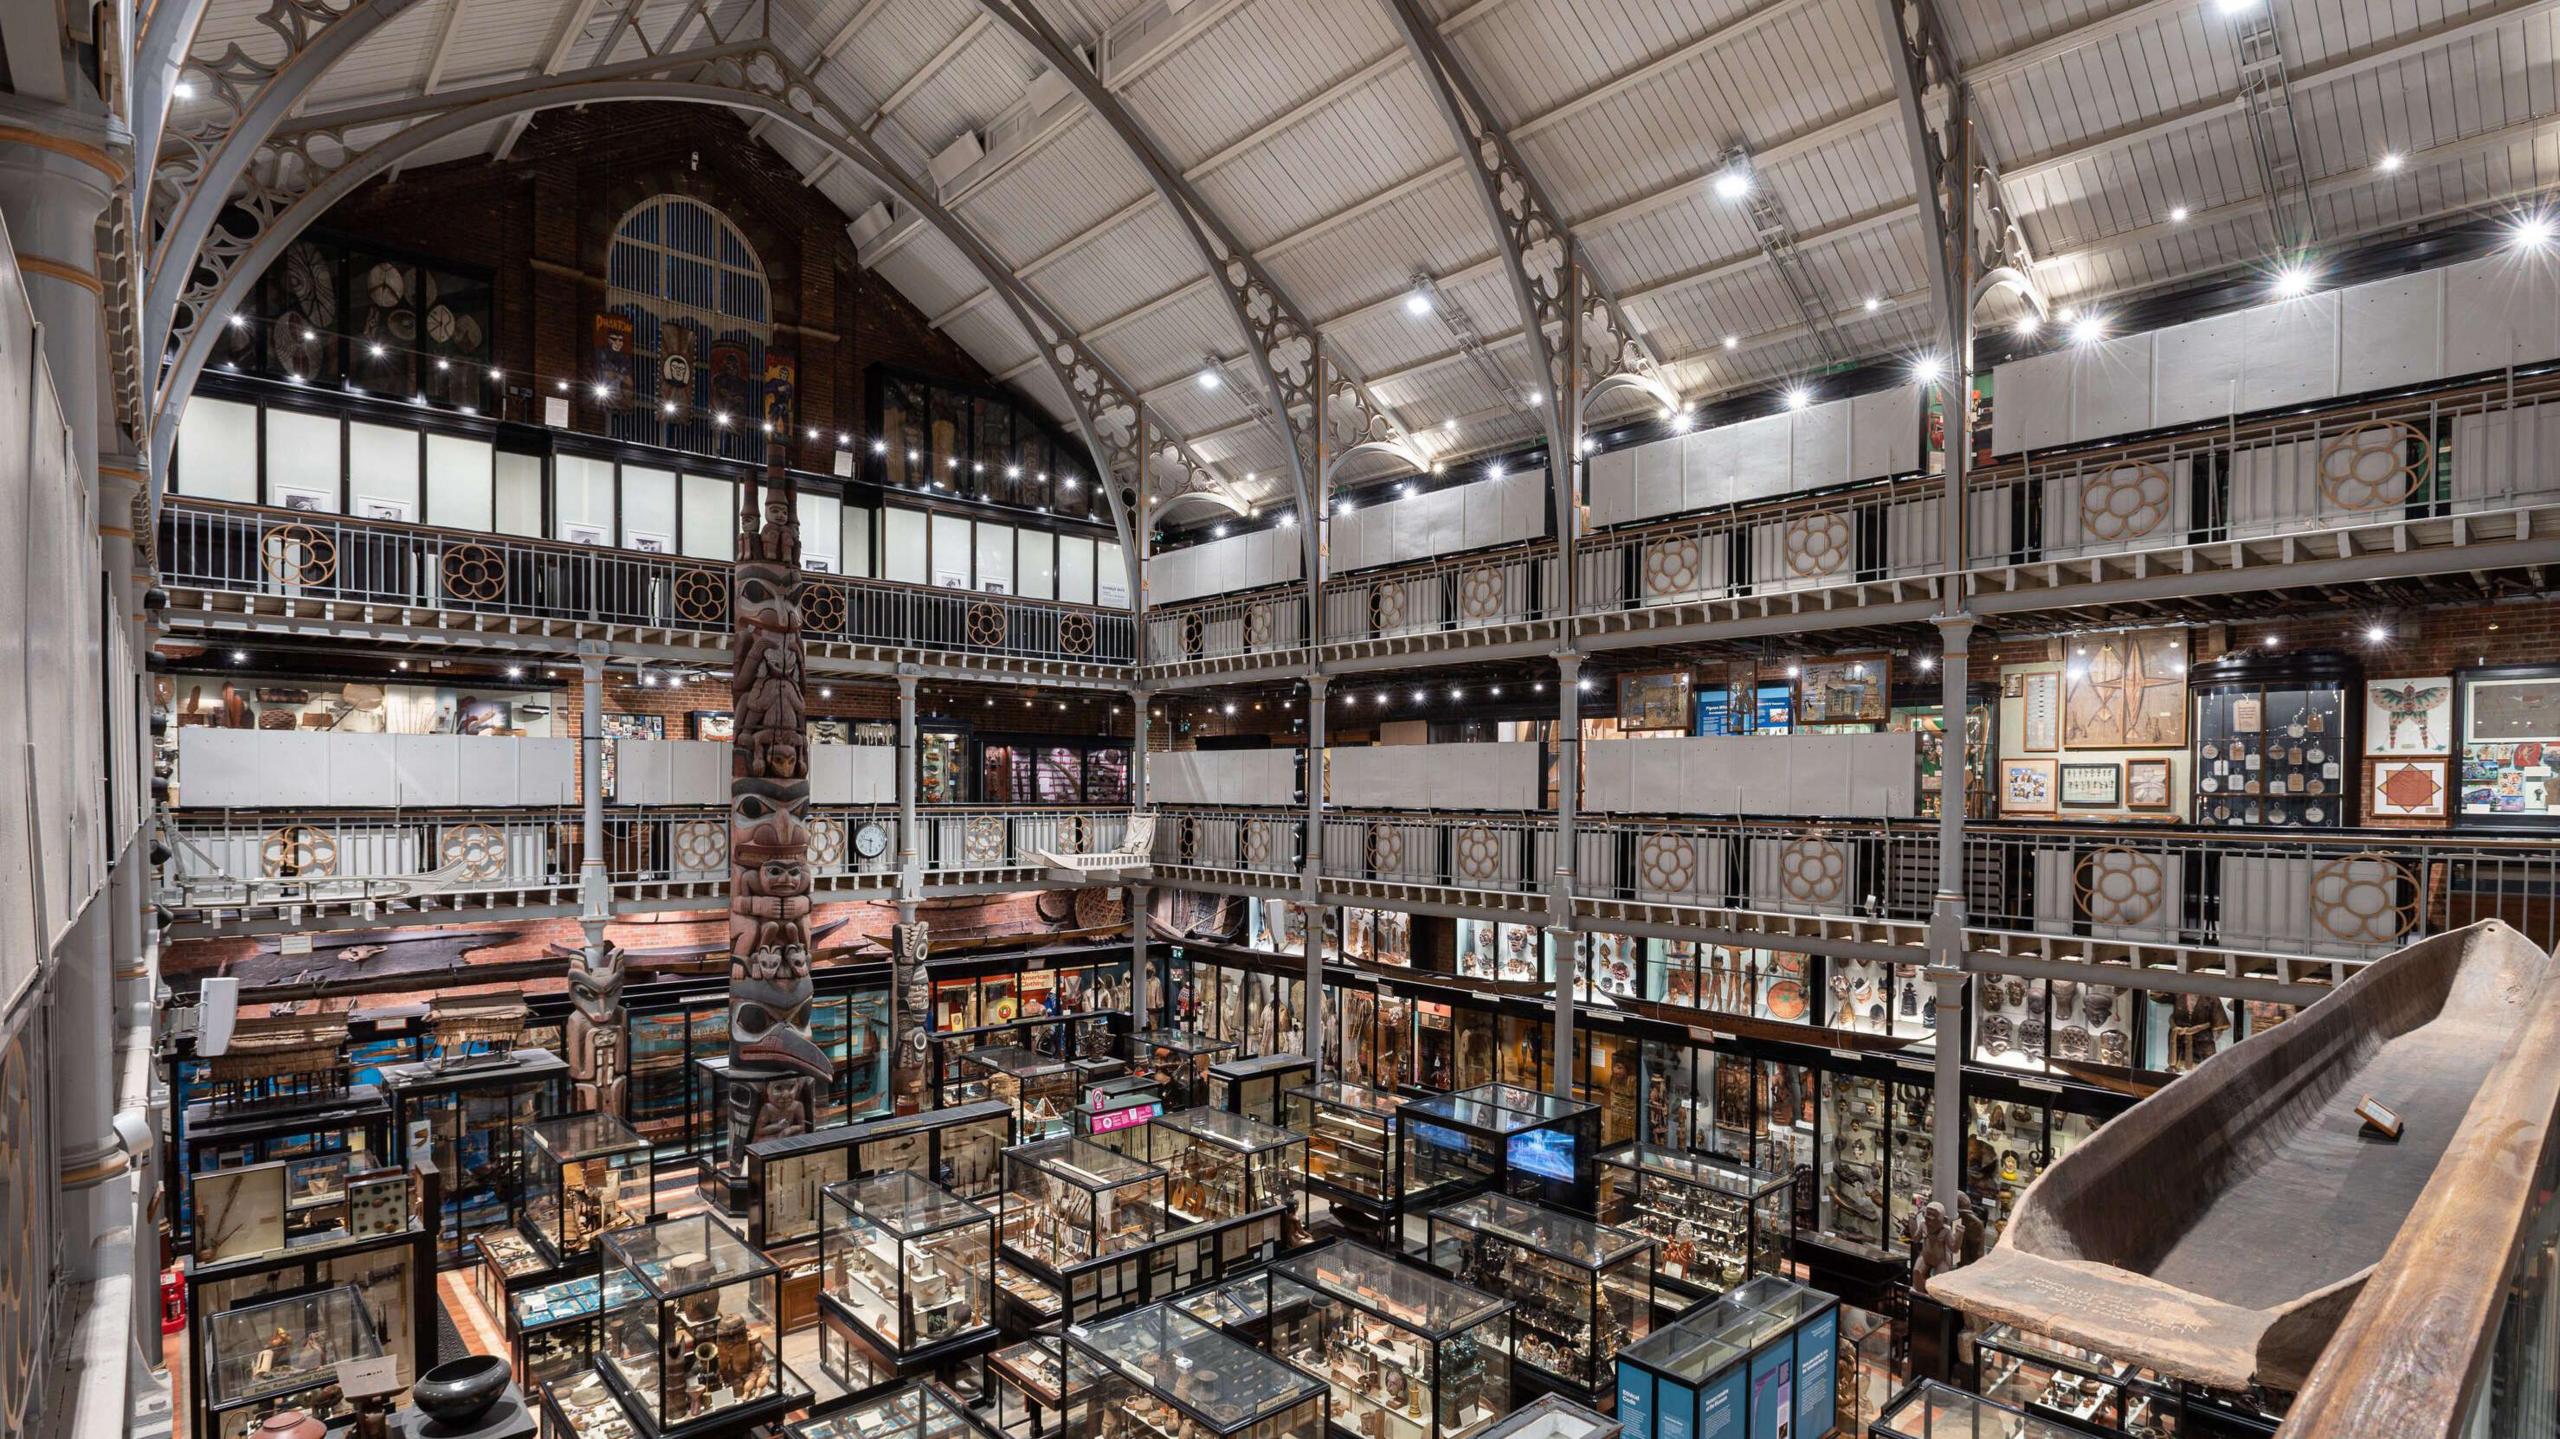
x,y
458,1393
289,1424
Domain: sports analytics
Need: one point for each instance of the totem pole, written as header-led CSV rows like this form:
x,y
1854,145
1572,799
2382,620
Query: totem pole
x,y
597,1075
774,1066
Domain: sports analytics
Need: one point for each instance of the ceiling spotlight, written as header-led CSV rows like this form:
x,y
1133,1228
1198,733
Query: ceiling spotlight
x,y
1733,181
720,417
293,376
404,664
826,692
2271,642
1231,706
562,385
497,377
308,337
951,462
1217,532
1456,693
1540,687
184,89
1927,369
515,672
812,433
913,457
1682,419
1589,444
1493,471
666,407
1582,685
881,447
2390,162
1534,397
2533,232
375,349
239,657
1798,397
1874,304
2088,328
239,322
443,365
977,467
1419,302
1342,507
2028,324
843,440
1404,487
1733,342
1928,663
1209,377
1496,691
1420,695
1449,425
1795,671
2177,214
1013,472
2375,634
2293,281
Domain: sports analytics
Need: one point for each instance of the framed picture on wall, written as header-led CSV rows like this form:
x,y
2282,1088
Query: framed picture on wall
x,y
2026,786
396,511
582,534
239,1212
1654,700
715,725
2092,785
305,501
649,544
377,1202
2126,690
1849,689
2041,695
2408,716
817,565
2408,789
2146,784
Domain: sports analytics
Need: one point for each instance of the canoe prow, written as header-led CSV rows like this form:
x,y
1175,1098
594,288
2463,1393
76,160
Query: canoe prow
x,y
2218,1231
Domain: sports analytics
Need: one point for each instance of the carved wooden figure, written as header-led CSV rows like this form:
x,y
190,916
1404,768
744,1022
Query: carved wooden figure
x,y
774,1064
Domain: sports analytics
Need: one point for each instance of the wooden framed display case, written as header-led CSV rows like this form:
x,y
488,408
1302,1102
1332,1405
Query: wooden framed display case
x,y
2275,740
909,1278
1179,1060
1040,1087
1580,1291
690,1340
1158,1373
343,1298
1931,1410
2051,1379
1355,1153
1761,1360
1410,1354
909,1411
1222,1166
355,1122
1070,1200
1035,1382
508,1265
473,1122
551,1329
1263,1087
1500,1137
1715,1222
585,1175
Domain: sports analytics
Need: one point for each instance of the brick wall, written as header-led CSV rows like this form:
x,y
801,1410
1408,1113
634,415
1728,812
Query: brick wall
x,y
540,224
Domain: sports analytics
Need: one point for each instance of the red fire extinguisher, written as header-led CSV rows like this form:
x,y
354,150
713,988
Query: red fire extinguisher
x,y
173,1300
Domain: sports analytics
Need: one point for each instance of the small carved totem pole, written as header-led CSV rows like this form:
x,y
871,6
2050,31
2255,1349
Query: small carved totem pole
x,y
596,1072
909,945
774,1066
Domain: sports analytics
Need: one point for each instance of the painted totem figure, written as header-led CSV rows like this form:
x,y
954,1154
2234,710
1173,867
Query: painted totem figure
x,y
596,1072
908,947
774,1066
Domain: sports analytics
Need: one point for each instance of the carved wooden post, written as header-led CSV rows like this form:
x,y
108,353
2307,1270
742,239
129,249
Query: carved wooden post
x,y
911,1000
774,1066
596,1068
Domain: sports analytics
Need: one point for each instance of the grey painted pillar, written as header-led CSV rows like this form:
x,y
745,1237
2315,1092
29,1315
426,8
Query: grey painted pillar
x,y
1311,1023
910,867
1568,798
1139,894
1141,995
595,884
1946,915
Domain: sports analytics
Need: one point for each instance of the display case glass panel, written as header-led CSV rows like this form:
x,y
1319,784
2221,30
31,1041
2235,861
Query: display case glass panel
x,y
1931,1410
585,1175
1718,1222
2047,1376
1580,1291
1040,1087
1410,1354
1070,1200
910,1262
1262,1087
1224,1166
1161,1374
1354,1150
1500,1136
910,1411
1035,1381
2274,742
284,1352
1178,1060
552,1328
475,1121
580,1405
690,1323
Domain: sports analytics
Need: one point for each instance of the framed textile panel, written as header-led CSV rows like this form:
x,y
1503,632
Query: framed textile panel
x,y
2126,690
2407,789
1657,700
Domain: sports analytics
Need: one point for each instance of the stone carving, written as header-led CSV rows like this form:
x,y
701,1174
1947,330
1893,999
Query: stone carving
x,y
773,1062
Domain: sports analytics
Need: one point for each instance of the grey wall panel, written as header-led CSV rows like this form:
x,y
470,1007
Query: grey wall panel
x,y
1818,446
2033,403
1606,788
546,770
488,776
2198,365
1706,467
1524,505
2291,353
1763,458
1661,487
2391,333
831,772
428,774
700,773
2111,387
1884,433
1613,487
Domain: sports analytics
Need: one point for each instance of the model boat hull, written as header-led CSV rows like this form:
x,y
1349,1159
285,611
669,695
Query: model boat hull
x,y
2219,1230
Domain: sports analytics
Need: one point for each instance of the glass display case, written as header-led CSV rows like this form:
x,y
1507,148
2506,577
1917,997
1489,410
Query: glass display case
x,y
1867,1375
1262,1087
1224,1166
910,1264
508,1265
579,1405
1931,1410
354,1128
1179,1060
1243,1307
1718,1222
585,1175
1158,1373
1500,1137
1759,1361
910,1411
957,1147
551,1329
475,1122
2275,740
689,1316
1580,1291
1355,1151
1070,1200
1410,1354
1040,1087
1035,1383
2047,1377
284,1353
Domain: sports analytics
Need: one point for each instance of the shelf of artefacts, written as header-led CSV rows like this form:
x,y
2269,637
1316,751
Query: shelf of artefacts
x,y
551,1329
274,1317
917,1410
1263,1087
1579,1291
1062,1255
1224,1166
1500,1138
689,1343
2093,1393
586,1175
1715,1222
354,1123
1760,1360
1355,1154
1409,1354
1041,1088
1035,1382
507,1266
474,1111
1158,1373
908,1280
1179,1060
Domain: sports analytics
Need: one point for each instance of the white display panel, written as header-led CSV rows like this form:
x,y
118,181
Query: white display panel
x,y
710,515
994,550
1036,564
856,528
218,451
1243,777
1110,575
461,483
382,473
1438,776
648,509
519,504
238,768
1866,775
821,533
1075,569
582,500
902,544
303,460
951,552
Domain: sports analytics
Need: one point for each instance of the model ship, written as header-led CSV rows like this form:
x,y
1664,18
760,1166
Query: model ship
x,y
2176,1237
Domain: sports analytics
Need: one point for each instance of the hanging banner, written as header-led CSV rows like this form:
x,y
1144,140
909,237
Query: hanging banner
x,y
675,369
729,384
781,391
613,354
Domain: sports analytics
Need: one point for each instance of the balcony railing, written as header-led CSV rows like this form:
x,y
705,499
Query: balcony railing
x,y
234,859
1804,543
1501,853
335,559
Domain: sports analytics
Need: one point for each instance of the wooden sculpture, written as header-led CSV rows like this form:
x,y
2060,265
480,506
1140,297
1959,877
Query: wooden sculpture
x,y
774,1065
2220,1229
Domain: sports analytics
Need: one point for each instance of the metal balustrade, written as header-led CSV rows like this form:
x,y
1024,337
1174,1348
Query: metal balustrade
x,y
2468,451
1264,622
1802,543
235,858
334,559
1466,592
1509,854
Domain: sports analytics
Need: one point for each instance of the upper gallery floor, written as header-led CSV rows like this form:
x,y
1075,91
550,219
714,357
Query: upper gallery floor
x,y
2403,427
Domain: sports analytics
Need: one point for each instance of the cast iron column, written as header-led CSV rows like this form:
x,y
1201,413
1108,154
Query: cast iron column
x,y
1946,912
596,1067
1312,1020
1560,914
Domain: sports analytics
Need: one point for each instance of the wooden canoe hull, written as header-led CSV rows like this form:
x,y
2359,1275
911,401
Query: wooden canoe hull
x,y
2218,1231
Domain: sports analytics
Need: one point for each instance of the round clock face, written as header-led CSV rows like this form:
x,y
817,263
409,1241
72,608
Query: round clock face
x,y
871,841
